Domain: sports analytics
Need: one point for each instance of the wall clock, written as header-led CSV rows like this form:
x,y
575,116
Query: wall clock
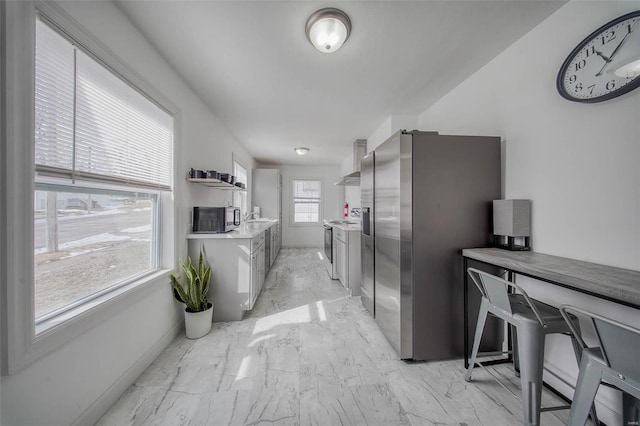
x,y
604,65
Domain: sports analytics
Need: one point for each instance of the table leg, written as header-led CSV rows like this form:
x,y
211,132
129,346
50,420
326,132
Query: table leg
x,y
466,312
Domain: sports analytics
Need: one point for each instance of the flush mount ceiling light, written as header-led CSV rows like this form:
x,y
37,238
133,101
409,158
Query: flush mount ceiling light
x,y
327,29
301,151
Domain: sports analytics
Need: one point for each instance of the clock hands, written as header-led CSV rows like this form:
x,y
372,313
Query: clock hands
x,y
602,56
608,60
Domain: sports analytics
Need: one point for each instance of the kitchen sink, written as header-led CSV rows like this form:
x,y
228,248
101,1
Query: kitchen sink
x,y
259,220
342,222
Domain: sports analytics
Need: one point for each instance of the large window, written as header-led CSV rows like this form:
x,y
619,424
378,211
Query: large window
x,y
103,159
307,201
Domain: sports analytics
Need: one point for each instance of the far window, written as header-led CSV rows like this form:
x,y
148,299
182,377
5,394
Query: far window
x,y
307,199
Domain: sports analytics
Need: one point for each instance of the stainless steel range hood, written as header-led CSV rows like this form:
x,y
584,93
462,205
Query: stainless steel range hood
x,y
359,151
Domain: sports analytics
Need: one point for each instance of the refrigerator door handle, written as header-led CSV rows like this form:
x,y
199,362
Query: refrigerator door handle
x,y
366,221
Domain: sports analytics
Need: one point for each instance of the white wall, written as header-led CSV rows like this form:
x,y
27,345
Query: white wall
x,y
389,126
77,382
380,134
309,236
579,164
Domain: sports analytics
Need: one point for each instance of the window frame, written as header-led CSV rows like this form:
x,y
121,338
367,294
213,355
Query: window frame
x,y
21,343
238,193
49,319
292,207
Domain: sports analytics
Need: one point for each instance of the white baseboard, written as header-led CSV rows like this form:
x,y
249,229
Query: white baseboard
x,y
93,413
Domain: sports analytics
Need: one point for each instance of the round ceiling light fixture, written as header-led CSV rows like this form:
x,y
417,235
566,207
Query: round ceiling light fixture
x,y
327,29
301,150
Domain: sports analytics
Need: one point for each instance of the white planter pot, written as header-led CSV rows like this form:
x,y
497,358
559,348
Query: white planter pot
x,y
198,324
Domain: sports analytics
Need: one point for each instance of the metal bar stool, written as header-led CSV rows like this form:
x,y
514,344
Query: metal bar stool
x,y
615,363
533,320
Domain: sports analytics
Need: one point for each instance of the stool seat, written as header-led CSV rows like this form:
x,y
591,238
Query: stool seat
x,y
554,322
532,320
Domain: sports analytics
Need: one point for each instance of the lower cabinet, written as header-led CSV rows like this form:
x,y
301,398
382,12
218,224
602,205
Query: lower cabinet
x,y
237,273
347,259
341,262
274,245
276,241
257,274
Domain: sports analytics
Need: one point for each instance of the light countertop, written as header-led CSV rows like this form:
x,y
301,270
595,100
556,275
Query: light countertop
x,y
608,282
246,230
348,227
345,226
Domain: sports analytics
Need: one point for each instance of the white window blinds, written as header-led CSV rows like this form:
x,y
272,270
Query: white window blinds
x,y
54,86
115,135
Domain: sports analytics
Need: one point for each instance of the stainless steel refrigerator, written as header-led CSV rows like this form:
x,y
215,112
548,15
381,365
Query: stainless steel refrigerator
x,y
366,240
425,197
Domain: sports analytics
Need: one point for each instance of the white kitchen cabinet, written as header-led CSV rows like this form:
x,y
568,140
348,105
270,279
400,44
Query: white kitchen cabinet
x,y
257,268
341,262
237,272
347,257
275,244
267,194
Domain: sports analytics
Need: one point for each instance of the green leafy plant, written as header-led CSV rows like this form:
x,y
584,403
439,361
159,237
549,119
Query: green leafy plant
x,y
196,287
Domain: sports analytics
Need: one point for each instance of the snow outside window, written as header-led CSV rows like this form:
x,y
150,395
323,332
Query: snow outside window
x,y
307,197
103,159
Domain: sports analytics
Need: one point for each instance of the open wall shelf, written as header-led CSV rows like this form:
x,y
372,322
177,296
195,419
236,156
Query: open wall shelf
x,y
215,183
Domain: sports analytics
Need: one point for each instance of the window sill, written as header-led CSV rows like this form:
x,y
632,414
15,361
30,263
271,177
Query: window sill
x,y
59,321
62,329
309,224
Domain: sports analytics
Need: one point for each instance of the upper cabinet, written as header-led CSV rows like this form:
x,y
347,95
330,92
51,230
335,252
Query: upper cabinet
x,y
266,193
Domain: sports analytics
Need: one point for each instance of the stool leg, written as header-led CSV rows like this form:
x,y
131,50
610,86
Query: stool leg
x,y
482,317
577,349
531,352
514,344
586,389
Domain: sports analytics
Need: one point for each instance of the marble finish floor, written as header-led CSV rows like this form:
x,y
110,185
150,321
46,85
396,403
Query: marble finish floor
x,y
308,354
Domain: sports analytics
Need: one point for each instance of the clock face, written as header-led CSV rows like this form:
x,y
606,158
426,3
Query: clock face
x,y
605,65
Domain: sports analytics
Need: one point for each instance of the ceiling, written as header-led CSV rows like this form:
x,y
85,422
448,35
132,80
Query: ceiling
x,y
251,63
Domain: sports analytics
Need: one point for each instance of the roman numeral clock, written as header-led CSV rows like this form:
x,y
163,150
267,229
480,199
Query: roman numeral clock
x,y
604,65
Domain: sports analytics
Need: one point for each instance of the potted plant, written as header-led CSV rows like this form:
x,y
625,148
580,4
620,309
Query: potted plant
x,y
198,313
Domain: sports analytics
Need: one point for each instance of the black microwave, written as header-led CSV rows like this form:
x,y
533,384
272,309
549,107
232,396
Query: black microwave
x,y
213,220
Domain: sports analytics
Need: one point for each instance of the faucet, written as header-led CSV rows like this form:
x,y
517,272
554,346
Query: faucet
x,y
248,215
